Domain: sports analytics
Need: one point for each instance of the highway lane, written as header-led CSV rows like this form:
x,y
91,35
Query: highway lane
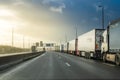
x,y
53,65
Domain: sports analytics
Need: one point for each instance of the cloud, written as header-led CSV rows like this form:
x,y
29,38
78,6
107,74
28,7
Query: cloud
x,y
37,20
49,1
19,2
55,5
58,9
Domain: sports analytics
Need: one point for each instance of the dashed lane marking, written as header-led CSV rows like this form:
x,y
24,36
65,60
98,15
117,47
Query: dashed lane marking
x,y
68,64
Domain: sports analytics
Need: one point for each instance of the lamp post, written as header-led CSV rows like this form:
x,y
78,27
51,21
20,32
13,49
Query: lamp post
x,y
23,43
12,36
102,7
76,43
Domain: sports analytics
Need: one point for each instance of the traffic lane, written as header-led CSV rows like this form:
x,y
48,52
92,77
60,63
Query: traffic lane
x,y
55,66
49,66
73,71
104,70
99,69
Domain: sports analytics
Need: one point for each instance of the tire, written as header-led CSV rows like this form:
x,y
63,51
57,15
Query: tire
x,y
89,56
104,58
117,60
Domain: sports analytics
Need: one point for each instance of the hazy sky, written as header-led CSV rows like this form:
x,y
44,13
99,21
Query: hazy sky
x,y
51,20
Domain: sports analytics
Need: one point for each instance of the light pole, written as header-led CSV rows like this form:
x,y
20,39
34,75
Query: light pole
x,y
65,38
76,43
23,43
29,44
102,7
12,36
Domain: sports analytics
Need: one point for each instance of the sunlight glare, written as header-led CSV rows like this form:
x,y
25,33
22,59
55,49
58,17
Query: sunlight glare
x,y
6,12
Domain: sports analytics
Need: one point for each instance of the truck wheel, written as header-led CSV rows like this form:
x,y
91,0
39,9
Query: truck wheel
x,y
117,60
88,56
104,57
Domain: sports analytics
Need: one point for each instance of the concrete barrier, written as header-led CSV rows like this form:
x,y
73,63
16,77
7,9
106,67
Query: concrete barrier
x,y
7,61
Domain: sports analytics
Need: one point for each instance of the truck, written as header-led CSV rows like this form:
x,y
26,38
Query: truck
x,y
33,48
57,48
71,49
64,47
40,49
111,43
89,44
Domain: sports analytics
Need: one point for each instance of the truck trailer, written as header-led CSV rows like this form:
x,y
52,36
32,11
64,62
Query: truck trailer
x,y
71,48
89,44
111,43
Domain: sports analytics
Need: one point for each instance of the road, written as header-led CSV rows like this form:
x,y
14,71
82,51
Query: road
x,y
54,65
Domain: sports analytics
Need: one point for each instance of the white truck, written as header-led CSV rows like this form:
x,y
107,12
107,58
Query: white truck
x,y
64,47
111,42
71,48
39,49
89,44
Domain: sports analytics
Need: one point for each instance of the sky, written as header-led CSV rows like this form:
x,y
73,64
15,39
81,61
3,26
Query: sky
x,y
52,20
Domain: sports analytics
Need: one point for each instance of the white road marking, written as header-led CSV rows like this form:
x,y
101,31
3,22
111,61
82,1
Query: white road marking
x,y
42,54
108,64
68,64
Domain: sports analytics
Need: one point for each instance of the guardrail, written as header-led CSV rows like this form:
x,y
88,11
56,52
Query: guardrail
x,y
12,59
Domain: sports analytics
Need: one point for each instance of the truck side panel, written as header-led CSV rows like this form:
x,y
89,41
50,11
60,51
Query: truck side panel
x,y
72,46
86,42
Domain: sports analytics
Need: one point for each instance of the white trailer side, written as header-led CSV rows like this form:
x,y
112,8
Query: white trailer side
x,y
89,44
65,47
72,46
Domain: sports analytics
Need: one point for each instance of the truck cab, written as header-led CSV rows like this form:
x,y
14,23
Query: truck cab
x,y
111,43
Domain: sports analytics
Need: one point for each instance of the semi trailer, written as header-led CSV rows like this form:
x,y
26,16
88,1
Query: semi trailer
x,y
111,43
71,48
89,44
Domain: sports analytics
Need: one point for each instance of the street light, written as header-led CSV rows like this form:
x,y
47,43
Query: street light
x,y
23,43
12,36
102,7
76,43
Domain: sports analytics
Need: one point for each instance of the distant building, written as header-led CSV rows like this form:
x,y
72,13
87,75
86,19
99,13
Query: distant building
x,y
37,44
41,43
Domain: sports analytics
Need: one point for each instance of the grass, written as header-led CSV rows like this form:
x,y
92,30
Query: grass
x,y
8,49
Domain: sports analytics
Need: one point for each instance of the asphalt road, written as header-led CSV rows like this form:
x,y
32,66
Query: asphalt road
x,y
53,65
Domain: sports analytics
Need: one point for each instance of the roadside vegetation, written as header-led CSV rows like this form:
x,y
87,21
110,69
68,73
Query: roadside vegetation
x,y
8,49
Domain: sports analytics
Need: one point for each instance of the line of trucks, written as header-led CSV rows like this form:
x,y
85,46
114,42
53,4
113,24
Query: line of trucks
x,y
101,44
